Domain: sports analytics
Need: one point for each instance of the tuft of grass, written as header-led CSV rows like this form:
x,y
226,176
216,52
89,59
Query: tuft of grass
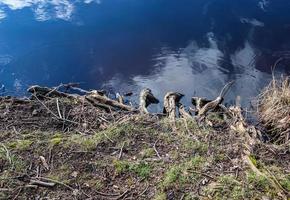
x,y
286,183
141,169
274,109
147,153
261,184
85,142
171,176
111,134
183,173
226,187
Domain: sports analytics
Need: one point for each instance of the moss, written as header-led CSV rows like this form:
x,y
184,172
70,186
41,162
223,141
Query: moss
x,y
56,139
191,197
160,196
197,162
253,160
174,154
20,145
120,166
82,142
118,131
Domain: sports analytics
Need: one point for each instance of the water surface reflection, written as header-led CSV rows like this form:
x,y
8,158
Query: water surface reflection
x,y
193,46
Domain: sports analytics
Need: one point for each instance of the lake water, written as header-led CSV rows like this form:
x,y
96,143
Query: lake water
x,y
190,46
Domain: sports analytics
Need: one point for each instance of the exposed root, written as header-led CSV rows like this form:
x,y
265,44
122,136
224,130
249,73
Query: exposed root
x,y
171,101
146,98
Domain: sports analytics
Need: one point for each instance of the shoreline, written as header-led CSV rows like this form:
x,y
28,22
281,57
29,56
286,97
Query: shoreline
x,y
63,146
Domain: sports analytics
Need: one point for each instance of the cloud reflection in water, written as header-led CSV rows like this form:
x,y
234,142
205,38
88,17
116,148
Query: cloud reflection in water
x,y
43,9
198,71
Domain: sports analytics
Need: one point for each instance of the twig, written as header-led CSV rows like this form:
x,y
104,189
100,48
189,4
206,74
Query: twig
x,y
57,182
121,151
182,197
147,186
122,195
105,194
16,196
58,110
226,89
157,153
53,112
41,183
201,173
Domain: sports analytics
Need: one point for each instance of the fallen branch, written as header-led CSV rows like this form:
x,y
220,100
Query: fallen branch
x,y
41,92
96,98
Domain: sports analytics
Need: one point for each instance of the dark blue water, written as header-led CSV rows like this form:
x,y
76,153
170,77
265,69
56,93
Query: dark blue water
x,y
191,46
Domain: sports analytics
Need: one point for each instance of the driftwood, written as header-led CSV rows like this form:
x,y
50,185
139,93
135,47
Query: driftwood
x,y
146,98
120,98
199,102
171,100
183,113
215,103
46,92
97,99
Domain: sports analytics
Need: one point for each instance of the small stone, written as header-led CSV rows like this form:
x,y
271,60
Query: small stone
x,y
74,174
34,112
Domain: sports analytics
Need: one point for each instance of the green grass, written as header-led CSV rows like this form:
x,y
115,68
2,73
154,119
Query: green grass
x,y
182,173
141,169
187,154
20,145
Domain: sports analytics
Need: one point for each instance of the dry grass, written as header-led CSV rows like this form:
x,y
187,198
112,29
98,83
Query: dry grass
x,y
274,109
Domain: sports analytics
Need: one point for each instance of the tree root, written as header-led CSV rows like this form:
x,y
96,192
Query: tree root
x,y
146,98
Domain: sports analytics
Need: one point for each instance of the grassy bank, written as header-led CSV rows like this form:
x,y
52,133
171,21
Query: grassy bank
x,y
61,146
141,158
